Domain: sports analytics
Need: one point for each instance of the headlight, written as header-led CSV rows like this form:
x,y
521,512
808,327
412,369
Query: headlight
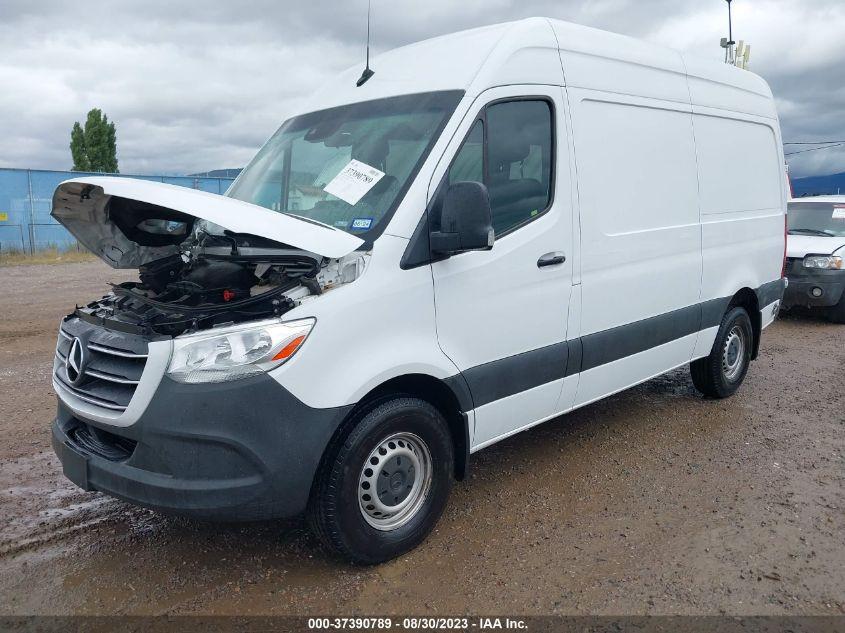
x,y
829,262
236,352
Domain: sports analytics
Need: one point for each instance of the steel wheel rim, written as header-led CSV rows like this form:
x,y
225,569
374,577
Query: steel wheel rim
x,y
733,353
394,481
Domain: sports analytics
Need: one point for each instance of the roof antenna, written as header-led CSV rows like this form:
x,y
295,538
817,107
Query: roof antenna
x,y
736,53
728,43
368,72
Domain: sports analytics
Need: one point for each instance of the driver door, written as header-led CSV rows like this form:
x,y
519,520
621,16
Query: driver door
x,y
502,314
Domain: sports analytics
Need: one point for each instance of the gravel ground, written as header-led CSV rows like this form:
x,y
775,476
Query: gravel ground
x,y
653,501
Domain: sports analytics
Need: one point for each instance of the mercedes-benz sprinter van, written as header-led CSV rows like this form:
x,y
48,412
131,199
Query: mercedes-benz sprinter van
x,y
497,227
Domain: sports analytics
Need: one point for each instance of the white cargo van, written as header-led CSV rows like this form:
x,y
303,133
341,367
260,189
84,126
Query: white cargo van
x,y
497,227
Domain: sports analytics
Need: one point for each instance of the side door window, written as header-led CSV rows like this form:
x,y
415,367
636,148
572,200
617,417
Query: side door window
x,y
511,150
519,159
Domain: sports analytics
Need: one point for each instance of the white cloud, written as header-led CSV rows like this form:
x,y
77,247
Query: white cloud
x,y
199,85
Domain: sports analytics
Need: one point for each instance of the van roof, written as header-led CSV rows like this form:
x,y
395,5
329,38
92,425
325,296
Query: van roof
x,y
529,51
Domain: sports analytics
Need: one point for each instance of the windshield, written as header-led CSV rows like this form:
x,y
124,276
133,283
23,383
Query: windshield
x,y
816,218
347,167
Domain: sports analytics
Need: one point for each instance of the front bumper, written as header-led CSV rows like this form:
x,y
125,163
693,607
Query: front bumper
x,y
243,450
803,281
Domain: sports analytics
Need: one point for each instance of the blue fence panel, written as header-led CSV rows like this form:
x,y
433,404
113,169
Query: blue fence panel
x,y
182,181
26,199
150,178
15,207
50,235
12,237
213,185
44,231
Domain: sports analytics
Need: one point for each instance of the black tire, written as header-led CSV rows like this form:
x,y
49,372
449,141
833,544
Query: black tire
x,y
715,378
336,511
837,313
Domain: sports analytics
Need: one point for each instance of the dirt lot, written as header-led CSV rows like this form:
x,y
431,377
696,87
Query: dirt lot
x,y
653,501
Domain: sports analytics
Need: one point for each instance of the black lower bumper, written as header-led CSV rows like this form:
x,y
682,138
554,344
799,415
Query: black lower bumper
x,y
243,450
815,289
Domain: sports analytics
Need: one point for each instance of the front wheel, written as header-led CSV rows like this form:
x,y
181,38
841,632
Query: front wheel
x,y
381,489
721,373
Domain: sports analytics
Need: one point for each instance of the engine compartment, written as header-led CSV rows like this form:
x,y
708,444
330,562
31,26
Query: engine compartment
x,y
217,280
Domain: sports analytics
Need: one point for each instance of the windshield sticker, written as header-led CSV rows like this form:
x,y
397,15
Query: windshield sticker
x,y
361,224
353,181
839,213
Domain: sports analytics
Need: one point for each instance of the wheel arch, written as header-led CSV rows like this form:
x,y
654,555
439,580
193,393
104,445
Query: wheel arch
x,y
450,397
747,298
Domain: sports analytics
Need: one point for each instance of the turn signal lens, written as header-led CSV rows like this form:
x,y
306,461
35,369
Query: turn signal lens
x,y
290,349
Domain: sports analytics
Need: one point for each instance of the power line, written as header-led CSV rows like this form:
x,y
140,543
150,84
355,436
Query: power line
x,y
814,149
813,142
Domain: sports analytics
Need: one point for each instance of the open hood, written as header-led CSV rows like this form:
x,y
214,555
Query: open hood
x,y
801,245
128,222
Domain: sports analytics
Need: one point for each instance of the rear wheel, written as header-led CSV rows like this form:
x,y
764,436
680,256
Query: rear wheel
x,y
721,373
381,489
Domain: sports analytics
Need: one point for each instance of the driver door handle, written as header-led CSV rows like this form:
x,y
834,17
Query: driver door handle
x,y
551,259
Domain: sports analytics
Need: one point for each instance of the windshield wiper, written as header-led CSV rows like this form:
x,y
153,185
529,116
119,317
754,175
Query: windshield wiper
x,y
812,232
309,220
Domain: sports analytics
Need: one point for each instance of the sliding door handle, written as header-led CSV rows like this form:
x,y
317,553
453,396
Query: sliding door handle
x,y
551,259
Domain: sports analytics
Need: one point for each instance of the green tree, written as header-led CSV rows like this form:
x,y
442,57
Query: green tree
x,y
94,147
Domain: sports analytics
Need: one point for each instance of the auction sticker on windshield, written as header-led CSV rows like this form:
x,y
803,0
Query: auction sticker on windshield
x,y
839,213
353,181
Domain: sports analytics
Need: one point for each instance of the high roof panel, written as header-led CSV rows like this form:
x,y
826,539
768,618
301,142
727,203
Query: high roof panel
x,y
526,52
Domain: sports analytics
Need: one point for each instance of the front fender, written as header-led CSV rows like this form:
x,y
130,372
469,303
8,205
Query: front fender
x,y
379,327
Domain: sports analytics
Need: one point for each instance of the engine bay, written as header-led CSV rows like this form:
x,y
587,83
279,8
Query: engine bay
x,y
218,279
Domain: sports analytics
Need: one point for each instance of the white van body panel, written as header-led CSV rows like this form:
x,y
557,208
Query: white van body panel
x,y
510,415
742,200
350,353
630,241
632,370
614,63
474,60
724,87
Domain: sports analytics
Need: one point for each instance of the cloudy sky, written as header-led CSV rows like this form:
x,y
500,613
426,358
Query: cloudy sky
x,y
194,86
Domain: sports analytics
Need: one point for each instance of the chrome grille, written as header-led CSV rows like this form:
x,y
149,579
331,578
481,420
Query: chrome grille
x,y
113,367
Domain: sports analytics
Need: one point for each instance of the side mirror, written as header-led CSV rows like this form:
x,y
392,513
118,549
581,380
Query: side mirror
x,y
466,220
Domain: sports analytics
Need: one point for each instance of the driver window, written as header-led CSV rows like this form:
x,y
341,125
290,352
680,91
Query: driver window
x,y
519,155
518,159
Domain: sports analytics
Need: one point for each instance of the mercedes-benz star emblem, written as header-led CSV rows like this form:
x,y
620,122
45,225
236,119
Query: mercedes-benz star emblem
x,y
75,362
